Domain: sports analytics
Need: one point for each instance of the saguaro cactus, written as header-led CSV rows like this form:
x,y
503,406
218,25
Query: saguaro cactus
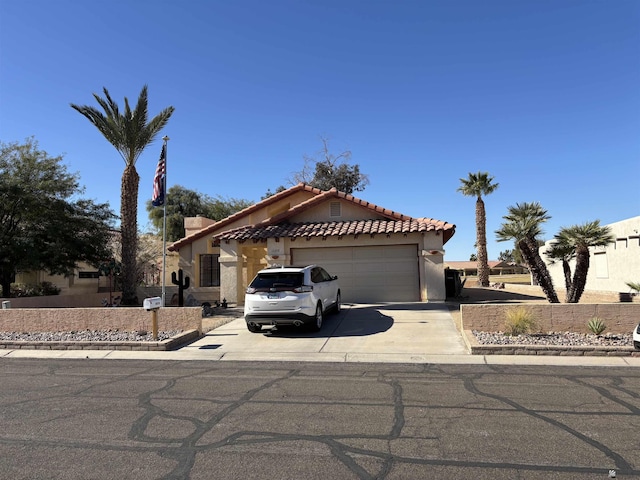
x,y
182,283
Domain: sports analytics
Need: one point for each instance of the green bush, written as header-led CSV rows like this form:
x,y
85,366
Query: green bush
x,y
39,290
596,325
519,320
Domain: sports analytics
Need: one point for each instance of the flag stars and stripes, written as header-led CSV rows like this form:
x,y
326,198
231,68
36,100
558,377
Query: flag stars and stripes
x,y
159,180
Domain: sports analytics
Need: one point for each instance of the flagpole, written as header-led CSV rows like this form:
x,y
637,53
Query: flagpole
x,y
164,225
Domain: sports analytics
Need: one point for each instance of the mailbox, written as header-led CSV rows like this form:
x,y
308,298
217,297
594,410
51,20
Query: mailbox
x,y
152,303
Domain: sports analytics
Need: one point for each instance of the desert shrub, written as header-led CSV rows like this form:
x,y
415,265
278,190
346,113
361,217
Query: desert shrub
x,y
596,325
34,290
519,320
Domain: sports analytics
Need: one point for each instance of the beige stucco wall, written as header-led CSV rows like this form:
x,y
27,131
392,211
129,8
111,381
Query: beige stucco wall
x,y
619,317
236,271
77,319
240,262
615,264
189,262
322,212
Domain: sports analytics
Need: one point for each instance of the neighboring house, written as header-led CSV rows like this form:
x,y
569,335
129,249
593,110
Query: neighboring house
x,y
379,255
610,267
496,267
87,279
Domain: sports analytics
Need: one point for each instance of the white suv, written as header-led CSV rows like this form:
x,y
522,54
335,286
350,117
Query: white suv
x,y
289,295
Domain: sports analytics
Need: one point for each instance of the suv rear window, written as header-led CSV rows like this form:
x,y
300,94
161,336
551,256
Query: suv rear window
x,y
277,281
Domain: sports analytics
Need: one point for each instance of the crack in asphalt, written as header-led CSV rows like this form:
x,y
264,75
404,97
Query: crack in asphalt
x,y
620,462
374,461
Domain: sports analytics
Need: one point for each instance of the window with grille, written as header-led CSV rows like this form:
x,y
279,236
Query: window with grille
x,y
209,270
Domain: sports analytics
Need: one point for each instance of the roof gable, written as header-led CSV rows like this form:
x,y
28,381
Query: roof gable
x,y
304,198
246,213
333,194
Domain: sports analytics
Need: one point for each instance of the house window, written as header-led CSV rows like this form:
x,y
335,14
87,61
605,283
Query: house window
x,y
336,211
600,261
209,270
88,274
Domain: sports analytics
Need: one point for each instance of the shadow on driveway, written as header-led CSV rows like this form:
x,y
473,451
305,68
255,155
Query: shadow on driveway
x,y
352,321
357,320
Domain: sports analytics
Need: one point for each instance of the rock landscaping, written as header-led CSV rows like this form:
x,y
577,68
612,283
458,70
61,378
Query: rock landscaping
x,y
555,339
86,336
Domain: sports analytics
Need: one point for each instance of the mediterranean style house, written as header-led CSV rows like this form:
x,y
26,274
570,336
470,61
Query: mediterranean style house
x,y
378,255
88,280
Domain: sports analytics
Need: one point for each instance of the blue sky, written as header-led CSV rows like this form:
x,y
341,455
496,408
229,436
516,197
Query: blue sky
x,y
543,95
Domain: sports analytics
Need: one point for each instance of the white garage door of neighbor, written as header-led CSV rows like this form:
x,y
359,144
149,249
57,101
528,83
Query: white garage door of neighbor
x,y
368,274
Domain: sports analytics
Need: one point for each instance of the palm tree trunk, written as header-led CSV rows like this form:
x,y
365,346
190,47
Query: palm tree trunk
x,y
566,269
129,232
538,268
579,276
481,243
5,284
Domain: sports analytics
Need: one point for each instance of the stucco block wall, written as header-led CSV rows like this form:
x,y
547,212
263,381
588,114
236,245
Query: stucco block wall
x,y
619,318
78,319
610,267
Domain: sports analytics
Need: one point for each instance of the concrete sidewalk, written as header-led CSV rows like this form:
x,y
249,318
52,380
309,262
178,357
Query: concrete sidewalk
x,y
384,333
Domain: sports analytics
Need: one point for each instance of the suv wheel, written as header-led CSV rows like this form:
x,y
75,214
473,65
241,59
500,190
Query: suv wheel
x,y
338,305
254,328
318,323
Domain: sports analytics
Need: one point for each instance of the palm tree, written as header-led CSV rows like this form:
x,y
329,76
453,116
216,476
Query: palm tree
x,y
574,242
477,185
560,251
523,226
130,133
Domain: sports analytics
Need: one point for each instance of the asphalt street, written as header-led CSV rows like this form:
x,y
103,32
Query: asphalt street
x,y
119,419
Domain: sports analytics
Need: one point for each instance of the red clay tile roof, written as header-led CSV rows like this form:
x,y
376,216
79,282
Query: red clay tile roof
x,y
472,264
396,223
232,218
336,229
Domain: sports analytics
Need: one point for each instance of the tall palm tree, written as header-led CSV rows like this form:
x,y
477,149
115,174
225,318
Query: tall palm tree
x,y
574,242
477,185
523,225
130,133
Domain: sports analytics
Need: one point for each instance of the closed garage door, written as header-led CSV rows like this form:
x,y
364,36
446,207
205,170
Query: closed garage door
x,y
368,274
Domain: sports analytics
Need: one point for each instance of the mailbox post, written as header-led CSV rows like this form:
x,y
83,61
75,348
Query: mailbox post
x,y
153,304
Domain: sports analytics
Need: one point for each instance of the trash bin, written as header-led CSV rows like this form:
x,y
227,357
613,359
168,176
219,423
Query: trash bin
x,y
6,304
625,297
452,284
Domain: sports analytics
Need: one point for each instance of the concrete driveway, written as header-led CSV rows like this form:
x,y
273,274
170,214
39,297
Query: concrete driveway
x,y
380,332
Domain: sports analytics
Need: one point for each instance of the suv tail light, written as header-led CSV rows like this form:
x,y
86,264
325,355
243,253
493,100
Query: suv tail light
x,y
303,289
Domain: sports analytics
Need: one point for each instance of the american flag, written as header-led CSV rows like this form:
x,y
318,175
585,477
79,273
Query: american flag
x,y
159,180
